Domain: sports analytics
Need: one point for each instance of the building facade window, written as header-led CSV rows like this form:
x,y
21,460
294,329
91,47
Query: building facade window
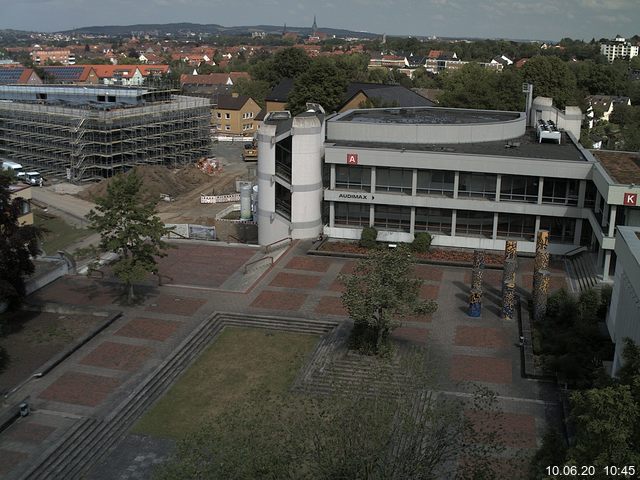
x,y
478,185
474,224
561,229
394,180
353,178
560,191
227,116
433,220
517,227
435,182
519,188
351,214
392,217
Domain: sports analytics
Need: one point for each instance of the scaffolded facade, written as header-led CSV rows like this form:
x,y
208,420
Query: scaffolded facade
x,y
88,140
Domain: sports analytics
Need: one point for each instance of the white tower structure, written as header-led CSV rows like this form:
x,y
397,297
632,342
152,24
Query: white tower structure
x,y
290,154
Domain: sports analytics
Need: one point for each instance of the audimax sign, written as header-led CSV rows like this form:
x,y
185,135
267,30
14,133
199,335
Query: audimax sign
x,y
355,196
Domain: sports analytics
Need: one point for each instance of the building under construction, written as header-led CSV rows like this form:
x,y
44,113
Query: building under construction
x,y
94,132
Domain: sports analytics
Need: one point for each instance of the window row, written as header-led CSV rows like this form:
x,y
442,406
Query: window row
x,y
515,188
468,223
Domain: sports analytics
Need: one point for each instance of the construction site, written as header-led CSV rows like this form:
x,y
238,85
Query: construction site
x,y
89,133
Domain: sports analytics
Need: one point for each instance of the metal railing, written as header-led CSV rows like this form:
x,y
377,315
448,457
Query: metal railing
x,y
274,245
255,262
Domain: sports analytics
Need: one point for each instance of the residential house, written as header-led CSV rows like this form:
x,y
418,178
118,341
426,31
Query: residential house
x,y
23,193
210,85
363,95
619,48
501,60
601,107
235,115
276,100
71,74
63,56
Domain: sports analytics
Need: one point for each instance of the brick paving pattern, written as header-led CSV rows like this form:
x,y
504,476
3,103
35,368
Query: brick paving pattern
x,y
468,368
517,430
76,290
149,328
9,459
485,337
429,292
29,432
279,300
311,264
331,306
411,334
80,389
118,356
428,272
203,265
175,305
295,280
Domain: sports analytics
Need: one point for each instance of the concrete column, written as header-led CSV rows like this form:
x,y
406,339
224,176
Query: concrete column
x,y
612,220
606,266
578,232
498,186
456,184
414,183
372,215
596,207
582,193
373,179
605,216
412,226
332,214
536,227
540,189
494,234
332,177
454,216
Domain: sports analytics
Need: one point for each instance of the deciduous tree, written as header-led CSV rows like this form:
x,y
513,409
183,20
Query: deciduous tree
x,y
128,227
381,291
18,244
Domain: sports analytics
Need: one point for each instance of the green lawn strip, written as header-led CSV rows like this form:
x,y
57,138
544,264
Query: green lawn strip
x,y
60,234
237,363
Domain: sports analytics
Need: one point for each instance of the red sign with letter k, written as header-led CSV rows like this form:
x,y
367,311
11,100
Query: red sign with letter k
x,y
630,199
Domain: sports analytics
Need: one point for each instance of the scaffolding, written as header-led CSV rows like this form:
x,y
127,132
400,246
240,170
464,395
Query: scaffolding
x,y
86,143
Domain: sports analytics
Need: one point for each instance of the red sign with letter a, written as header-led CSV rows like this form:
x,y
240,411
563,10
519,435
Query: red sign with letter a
x,y
630,199
352,158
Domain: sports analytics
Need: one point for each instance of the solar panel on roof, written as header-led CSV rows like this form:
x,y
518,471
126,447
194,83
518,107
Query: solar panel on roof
x,y
65,73
10,75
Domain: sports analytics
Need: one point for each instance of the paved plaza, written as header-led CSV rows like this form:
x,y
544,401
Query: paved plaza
x,y
207,278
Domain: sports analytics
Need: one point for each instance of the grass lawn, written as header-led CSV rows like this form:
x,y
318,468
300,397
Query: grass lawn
x,y
59,233
238,362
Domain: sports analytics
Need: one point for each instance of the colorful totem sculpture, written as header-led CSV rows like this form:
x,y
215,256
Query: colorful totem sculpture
x,y
541,276
475,297
510,267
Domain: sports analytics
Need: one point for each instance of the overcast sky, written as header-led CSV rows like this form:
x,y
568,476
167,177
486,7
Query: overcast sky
x,y
524,19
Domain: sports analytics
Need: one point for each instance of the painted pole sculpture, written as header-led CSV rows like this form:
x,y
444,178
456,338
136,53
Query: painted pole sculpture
x,y
541,276
509,279
475,297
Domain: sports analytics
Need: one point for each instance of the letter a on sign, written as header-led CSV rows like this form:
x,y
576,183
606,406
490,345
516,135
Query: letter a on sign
x,y
630,199
352,158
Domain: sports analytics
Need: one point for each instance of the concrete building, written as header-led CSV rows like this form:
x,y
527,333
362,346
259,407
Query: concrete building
x,y
618,48
97,131
623,320
471,178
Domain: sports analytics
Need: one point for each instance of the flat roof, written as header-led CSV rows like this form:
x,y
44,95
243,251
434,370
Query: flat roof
x,y
622,167
426,116
525,146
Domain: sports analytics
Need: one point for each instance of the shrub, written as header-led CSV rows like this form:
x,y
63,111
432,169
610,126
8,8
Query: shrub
x,y
368,237
421,242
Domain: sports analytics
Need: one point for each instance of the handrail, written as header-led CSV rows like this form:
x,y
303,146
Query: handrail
x,y
235,238
267,248
575,251
246,267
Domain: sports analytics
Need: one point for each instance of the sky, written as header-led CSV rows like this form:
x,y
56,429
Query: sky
x,y
516,19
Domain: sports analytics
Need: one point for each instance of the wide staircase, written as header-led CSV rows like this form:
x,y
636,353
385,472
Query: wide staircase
x,y
580,264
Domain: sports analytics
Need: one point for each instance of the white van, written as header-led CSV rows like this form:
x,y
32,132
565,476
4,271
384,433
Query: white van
x,y
32,178
13,166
